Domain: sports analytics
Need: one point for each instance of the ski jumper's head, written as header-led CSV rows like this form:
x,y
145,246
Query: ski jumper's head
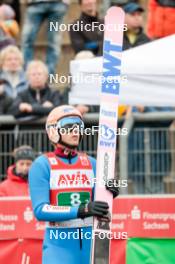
x,y
64,126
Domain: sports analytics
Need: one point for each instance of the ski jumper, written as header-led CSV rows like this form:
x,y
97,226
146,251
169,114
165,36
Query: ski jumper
x,y
58,186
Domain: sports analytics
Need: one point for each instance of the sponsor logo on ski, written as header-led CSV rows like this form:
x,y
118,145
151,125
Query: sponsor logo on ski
x,y
111,68
106,166
108,136
107,133
108,113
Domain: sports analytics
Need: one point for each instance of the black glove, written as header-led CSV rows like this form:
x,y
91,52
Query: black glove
x,y
112,186
96,208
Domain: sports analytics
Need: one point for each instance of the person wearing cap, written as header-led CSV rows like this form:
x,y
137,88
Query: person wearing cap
x,y
16,183
134,36
62,191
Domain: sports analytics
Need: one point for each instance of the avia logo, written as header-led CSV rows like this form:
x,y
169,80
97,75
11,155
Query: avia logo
x,y
73,179
107,133
25,259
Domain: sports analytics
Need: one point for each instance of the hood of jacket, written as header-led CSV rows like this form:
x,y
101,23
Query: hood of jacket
x,y
11,175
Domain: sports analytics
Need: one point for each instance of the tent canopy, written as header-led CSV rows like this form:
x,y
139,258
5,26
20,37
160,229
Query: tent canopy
x,y
148,76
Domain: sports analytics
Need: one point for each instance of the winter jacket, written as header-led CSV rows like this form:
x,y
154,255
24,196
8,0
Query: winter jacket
x,y
140,40
21,86
87,40
30,96
5,103
13,185
161,18
10,28
5,40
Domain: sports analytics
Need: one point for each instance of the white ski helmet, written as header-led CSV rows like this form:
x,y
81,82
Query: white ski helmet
x,y
58,118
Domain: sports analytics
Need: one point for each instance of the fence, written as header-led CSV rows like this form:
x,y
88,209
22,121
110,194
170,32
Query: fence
x,y
147,153
14,134
145,157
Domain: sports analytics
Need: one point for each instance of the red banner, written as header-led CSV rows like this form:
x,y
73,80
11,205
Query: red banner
x,y
142,217
19,251
145,216
21,234
138,216
17,219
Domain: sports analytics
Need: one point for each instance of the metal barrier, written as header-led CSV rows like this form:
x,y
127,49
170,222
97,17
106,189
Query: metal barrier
x,y
14,133
145,157
147,153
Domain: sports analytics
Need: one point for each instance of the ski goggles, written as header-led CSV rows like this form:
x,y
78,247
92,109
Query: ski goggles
x,y
68,124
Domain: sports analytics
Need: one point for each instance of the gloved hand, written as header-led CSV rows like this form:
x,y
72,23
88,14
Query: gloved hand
x,y
112,186
96,208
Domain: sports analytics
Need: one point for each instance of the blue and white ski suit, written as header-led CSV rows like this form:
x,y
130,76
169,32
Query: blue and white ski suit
x,y
57,187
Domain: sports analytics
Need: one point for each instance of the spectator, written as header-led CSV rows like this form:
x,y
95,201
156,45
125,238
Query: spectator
x,y
11,64
91,40
161,18
5,100
38,99
15,4
9,28
82,55
37,12
16,183
134,36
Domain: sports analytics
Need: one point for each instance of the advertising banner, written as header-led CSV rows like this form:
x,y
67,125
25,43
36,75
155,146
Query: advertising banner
x,y
148,223
21,235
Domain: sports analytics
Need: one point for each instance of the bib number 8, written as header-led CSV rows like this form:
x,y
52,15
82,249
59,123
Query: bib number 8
x,y
75,199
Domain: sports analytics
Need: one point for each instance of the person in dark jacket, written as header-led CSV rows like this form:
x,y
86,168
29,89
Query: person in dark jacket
x,y
16,183
90,38
5,100
38,99
134,36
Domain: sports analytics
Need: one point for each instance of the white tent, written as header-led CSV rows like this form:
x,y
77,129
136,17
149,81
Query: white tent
x,y
150,73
